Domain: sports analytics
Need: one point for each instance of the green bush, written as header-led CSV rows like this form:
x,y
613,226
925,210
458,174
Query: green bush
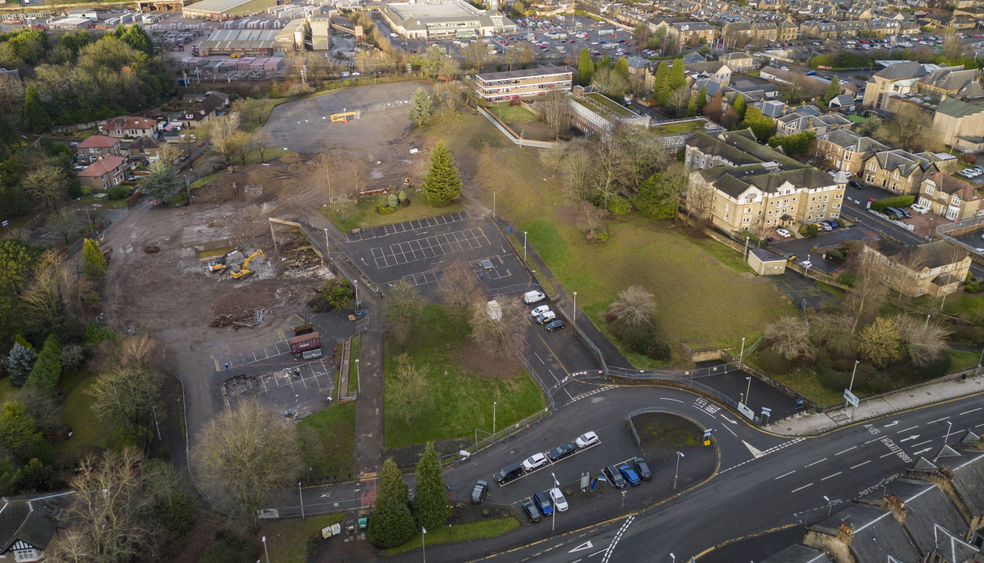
x,y
118,192
176,512
601,236
830,377
773,363
619,205
231,548
645,339
847,278
384,209
965,334
47,369
95,335
897,201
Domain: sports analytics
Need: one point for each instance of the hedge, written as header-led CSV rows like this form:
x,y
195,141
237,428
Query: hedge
x,y
47,369
897,201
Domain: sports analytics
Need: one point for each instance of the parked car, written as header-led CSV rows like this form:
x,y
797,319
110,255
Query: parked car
x,y
905,213
790,257
784,233
855,184
555,325
642,468
806,264
614,477
534,461
830,223
480,492
558,499
629,474
890,211
508,473
536,312
919,209
542,501
531,297
823,225
531,512
589,438
546,317
561,451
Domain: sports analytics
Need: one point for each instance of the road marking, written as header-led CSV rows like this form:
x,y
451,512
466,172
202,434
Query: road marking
x,y
921,451
757,453
938,420
874,440
888,454
981,424
668,399
831,476
583,546
890,425
597,552
801,488
913,437
729,420
906,430
539,358
784,474
921,443
816,462
860,464
975,410
845,451
730,430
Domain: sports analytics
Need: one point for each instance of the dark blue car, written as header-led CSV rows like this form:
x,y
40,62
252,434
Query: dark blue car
x,y
629,474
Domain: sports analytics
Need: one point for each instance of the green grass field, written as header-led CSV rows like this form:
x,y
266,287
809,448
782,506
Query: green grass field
x,y
461,532
329,451
288,540
367,217
963,359
512,114
461,399
86,428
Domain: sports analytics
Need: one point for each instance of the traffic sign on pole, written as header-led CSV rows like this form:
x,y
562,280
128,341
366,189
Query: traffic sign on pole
x,y
851,398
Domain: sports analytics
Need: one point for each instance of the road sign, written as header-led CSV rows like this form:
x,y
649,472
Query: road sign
x,y
766,411
743,409
800,403
5,223
851,399
707,433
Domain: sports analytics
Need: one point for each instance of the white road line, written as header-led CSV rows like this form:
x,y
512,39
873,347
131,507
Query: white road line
x,y
784,474
938,420
981,424
668,399
860,464
921,443
906,430
831,476
729,430
816,462
845,451
886,455
801,488
870,441
597,552
921,451
975,410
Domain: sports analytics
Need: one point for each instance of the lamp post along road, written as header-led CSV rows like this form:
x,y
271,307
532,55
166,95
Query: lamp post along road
x,y
677,472
850,387
748,390
493,421
575,312
741,354
524,246
981,360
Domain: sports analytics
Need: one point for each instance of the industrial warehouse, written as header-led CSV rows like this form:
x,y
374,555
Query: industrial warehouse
x,y
221,10
448,18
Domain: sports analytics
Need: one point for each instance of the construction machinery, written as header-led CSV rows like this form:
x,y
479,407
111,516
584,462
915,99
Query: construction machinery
x,y
219,264
243,270
344,116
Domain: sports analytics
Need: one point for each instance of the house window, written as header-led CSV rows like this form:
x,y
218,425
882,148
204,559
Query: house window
x,y
26,555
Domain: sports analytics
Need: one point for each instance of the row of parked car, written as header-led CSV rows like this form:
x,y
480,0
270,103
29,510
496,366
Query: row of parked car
x,y
972,172
538,460
544,503
624,473
542,313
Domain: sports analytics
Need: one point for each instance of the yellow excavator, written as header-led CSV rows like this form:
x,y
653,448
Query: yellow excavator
x,y
243,270
219,264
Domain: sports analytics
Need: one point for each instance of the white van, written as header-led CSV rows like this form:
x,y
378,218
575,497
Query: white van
x,y
531,297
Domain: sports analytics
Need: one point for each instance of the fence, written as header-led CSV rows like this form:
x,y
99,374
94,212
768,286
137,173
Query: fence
x,y
26,229
965,225
512,137
482,442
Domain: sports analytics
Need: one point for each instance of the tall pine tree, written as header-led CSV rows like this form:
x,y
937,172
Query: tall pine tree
x,y
442,184
692,107
622,67
740,106
35,116
391,525
137,38
93,263
833,90
678,75
585,67
661,89
19,363
429,501
702,99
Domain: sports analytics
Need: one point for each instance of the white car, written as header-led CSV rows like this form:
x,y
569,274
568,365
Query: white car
x,y
586,439
534,461
539,310
531,297
979,250
558,499
919,209
546,317
784,233
806,264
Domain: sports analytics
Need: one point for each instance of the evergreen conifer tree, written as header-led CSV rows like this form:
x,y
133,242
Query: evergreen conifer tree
x,y
833,90
661,90
421,107
442,184
585,66
740,106
93,263
622,67
37,119
391,525
702,99
692,107
429,499
19,363
678,75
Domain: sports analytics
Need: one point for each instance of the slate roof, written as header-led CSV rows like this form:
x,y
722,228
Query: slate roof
x,y
144,143
798,554
950,78
716,147
937,253
899,71
743,84
31,519
950,185
710,86
927,506
952,107
772,108
693,57
968,476
841,100
906,163
952,548
848,139
877,534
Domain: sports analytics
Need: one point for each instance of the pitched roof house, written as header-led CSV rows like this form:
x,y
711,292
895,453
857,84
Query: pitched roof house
x,y
104,173
29,524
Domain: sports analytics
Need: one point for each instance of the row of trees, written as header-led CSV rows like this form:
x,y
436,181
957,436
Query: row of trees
x,y
396,519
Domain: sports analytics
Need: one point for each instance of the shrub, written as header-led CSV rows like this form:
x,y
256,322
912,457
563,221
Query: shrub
x,y
830,377
774,363
95,335
619,205
964,334
118,192
73,356
897,201
392,201
847,278
47,369
812,230
231,548
970,158
600,236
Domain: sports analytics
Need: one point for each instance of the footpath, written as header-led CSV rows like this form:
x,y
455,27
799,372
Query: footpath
x,y
818,423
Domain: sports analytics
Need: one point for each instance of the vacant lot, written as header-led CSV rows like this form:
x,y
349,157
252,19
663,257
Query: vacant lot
x,y
702,301
461,399
328,440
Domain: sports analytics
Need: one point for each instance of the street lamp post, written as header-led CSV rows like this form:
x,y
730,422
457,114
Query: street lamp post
x,y
949,425
355,284
830,505
575,311
673,558
358,387
493,421
423,543
265,550
524,246
748,390
741,354
927,320
553,520
979,362
677,472
850,387
326,243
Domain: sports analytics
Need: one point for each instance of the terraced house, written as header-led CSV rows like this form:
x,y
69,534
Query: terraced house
x,y
846,150
738,184
899,171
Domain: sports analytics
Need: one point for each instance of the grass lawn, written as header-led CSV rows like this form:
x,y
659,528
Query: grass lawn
x,y
265,106
461,532
702,301
329,450
104,202
203,181
272,153
461,400
682,126
963,359
288,540
964,304
367,217
512,114
806,384
86,428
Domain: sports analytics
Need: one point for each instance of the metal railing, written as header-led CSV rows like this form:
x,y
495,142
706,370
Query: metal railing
x,y
970,223
642,374
649,410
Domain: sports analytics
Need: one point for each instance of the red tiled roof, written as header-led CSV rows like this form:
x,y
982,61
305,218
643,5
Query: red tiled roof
x,y
129,123
98,141
100,167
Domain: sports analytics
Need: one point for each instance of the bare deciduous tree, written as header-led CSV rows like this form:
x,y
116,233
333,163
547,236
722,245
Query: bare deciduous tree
x,y
46,184
790,337
125,399
408,390
700,197
590,219
43,297
262,143
831,332
245,454
222,134
403,309
458,286
868,293
64,222
924,341
578,171
502,336
557,113
634,306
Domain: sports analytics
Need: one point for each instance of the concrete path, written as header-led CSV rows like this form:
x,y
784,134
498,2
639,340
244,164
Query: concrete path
x,y
813,424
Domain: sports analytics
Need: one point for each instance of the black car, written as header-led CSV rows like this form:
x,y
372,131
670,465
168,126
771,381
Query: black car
x,y
855,184
555,325
480,492
561,451
642,468
544,503
614,477
531,512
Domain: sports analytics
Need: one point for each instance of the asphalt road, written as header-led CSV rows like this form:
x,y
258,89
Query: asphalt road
x,y
764,481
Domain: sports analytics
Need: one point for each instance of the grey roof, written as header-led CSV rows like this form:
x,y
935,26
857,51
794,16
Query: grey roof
x,y
846,138
969,439
31,519
693,57
950,78
524,73
877,534
952,547
743,84
908,69
772,108
937,253
766,255
927,505
968,478
905,162
798,554
841,100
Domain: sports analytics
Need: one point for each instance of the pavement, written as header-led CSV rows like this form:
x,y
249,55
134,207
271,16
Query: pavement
x,y
803,292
